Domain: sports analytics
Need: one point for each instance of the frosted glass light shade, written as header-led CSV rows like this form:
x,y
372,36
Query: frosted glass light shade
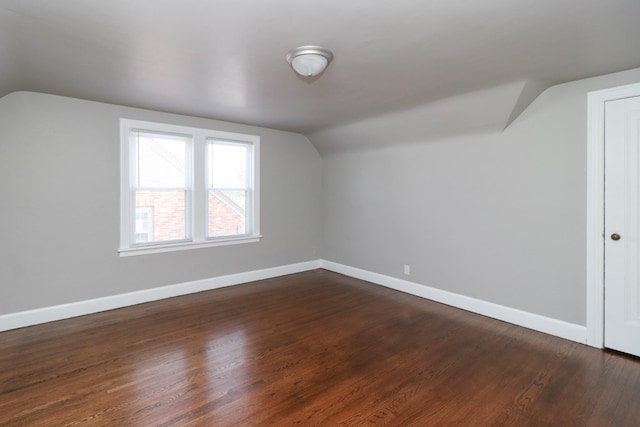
x,y
309,61
309,65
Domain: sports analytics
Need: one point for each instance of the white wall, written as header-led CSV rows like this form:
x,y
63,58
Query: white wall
x,y
59,221
497,216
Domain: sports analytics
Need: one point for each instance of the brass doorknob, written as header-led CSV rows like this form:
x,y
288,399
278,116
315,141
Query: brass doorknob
x,y
615,236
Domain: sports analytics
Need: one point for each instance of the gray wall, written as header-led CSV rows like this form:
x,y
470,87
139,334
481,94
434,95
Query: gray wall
x,y
498,216
59,224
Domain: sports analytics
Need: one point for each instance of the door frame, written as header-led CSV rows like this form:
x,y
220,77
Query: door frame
x,y
595,206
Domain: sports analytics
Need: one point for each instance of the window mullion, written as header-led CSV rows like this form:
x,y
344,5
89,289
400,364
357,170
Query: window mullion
x,y
199,191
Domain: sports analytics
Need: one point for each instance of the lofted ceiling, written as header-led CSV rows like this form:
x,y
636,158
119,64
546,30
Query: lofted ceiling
x,y
225,59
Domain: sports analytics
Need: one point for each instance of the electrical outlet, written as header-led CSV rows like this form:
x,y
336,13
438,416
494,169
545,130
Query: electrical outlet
x,y
407,270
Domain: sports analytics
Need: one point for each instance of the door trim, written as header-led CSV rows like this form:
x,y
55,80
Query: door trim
x,y
595,206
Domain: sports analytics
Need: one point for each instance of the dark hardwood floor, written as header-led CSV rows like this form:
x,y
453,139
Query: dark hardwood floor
x,y
314,348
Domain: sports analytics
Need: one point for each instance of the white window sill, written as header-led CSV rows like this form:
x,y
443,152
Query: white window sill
x,y
183,246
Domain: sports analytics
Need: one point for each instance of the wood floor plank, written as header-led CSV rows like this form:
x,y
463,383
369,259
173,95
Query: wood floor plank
x,y
314,348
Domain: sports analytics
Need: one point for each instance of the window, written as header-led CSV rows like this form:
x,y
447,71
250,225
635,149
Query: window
x,y
144,224
184,187
228,187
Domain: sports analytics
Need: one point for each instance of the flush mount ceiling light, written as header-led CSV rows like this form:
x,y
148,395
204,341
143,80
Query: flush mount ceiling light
x,y
309,61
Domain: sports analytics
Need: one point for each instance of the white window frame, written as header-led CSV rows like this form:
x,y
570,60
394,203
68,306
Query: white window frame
x,y
197,208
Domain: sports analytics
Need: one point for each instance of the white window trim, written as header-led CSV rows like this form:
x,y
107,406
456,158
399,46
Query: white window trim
x,y
197,211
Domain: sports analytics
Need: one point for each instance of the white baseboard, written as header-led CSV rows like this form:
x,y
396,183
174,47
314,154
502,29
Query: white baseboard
x,y
80,308
525,319
536,322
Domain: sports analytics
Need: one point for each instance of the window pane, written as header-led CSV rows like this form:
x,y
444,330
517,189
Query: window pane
x,y
160,216
161,160
227,213
228,165
144,224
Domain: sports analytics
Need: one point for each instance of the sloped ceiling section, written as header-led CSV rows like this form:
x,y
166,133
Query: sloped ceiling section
x,y
225,59
9,79
530,91
488,110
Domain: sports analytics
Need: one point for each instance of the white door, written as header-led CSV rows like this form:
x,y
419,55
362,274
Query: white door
x,y
622,225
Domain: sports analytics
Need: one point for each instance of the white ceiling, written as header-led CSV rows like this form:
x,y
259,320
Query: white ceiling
x,y
225,59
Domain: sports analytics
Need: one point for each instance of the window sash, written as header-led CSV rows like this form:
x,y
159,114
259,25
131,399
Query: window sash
x,y
247,188
187,227
135,161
